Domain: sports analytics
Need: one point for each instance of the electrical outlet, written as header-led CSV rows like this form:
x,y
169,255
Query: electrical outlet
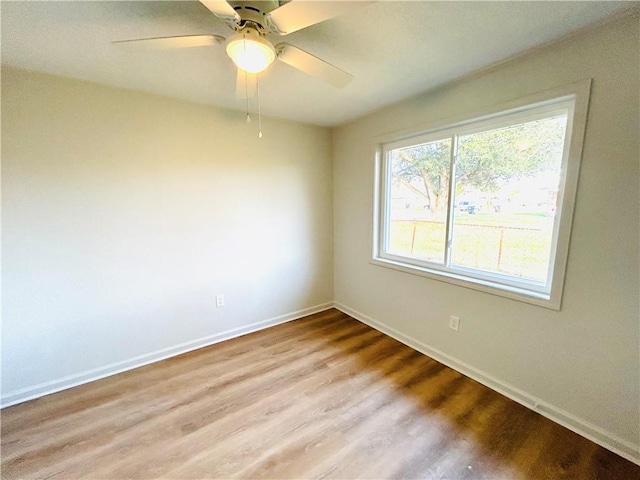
x,y
219,301
454,323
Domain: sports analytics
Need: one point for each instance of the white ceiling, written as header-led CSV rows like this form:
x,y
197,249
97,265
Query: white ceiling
x,y
394,49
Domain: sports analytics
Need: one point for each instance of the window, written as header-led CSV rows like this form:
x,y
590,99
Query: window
x,y
485,203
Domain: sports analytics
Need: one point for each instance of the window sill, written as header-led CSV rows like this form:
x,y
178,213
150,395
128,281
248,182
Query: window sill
x,y
513,293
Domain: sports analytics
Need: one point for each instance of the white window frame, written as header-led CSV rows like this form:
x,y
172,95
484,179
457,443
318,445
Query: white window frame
x,y
572,99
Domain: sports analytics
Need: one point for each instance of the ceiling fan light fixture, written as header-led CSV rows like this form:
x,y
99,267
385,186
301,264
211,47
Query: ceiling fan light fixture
x,y
250,52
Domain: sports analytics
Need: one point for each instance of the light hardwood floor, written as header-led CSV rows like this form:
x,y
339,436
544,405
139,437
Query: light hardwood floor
x,y
321,397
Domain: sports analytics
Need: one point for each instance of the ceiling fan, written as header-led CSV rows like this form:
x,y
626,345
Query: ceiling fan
x,y
252,22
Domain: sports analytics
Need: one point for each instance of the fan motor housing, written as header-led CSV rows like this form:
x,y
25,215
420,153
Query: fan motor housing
x,y
252,13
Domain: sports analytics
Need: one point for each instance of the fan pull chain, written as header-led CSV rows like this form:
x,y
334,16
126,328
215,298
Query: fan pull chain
x,y
246,94
246,79
259,115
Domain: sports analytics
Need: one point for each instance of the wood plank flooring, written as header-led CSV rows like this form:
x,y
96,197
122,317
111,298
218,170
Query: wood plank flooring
x,y
321,397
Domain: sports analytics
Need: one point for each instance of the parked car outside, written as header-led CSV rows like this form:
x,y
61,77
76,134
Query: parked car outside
x,y
467,207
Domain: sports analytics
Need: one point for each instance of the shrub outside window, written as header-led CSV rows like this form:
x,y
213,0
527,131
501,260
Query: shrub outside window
x,y
487,202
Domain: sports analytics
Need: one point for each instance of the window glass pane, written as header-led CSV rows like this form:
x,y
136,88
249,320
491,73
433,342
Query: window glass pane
x,y
418,200
506,186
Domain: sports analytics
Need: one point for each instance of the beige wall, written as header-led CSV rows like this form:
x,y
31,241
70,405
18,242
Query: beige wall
x,y
583,362
124,214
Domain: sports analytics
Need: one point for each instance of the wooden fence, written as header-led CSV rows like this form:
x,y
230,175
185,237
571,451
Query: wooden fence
x,y
513,250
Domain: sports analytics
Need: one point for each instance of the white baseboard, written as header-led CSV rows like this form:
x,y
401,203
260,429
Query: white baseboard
x,y
582,427
87,376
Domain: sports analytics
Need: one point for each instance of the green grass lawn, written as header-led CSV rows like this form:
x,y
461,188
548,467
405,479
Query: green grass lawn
x,y
512,244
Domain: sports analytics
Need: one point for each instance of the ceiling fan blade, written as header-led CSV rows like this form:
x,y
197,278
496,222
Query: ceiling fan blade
x,y
311,65
183,41
222,10
245,84
299,14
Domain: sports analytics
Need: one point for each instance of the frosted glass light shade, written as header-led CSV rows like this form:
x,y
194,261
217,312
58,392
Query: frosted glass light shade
x,y
250,53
